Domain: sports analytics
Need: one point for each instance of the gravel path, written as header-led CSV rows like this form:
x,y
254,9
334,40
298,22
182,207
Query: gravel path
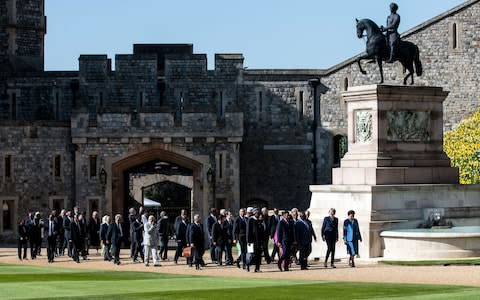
x,y
366,270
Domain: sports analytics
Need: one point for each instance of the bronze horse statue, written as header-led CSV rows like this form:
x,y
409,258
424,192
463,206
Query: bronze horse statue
x,y
378,50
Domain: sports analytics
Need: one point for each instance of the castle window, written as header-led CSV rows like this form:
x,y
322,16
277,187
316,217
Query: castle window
x,y
57,106
345,84
57,166
300,105
7,167
260,105
454,36
220,166
13,106
221,106
100,99
92,166
141,100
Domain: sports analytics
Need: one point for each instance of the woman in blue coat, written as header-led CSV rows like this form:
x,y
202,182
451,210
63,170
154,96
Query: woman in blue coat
x,y
351,236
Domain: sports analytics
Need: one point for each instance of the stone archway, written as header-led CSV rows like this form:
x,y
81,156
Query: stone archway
x,y
116,182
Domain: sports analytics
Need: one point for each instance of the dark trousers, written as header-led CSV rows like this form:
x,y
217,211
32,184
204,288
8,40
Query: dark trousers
x,y
228,253
213,255
51,246
257,256
304,251
34,247
199,251
22,245
68,245
60,244
284,260
116,252
76,248
219,249
264,249
275,252
106,251
331,241
163,246
242,240
178,252
137,249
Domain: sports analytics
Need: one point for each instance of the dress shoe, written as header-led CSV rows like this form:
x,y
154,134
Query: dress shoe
x,y
333,266
325,265
238,264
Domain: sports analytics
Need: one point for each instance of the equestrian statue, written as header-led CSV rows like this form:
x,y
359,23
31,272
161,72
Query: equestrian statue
x,y
388,47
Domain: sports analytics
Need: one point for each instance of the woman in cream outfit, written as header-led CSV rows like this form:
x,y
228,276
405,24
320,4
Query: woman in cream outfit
x,y
150,241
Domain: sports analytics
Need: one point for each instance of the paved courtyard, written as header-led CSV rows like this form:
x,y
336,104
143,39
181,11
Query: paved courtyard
x,y
366,270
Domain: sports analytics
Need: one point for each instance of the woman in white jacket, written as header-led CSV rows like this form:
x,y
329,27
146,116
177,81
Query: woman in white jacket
x,y
150,241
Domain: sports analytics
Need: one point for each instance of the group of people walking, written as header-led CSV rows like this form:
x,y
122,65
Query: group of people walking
x,y
67,231
290,232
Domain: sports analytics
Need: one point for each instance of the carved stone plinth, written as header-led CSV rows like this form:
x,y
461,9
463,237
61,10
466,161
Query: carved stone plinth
x,y
395,136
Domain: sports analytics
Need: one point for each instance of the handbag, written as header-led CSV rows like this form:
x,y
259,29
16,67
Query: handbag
x,y
187,251
250,248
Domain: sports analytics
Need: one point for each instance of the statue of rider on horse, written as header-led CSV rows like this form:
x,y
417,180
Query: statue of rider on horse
x,y
389,47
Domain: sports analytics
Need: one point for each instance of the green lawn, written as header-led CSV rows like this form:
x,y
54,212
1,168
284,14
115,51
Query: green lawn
x,y
26,282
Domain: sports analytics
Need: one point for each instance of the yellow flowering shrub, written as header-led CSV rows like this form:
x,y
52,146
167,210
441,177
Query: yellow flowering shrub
x,y
462,145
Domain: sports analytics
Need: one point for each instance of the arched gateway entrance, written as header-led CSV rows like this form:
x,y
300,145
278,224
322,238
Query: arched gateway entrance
x,y
177,180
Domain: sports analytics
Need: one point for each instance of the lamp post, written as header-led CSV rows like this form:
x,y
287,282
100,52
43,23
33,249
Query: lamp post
x,y
314,82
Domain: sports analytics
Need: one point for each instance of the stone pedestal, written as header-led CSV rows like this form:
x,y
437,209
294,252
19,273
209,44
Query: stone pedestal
x,y
395,136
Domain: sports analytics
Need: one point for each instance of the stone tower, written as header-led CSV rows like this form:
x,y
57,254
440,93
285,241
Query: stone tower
x,y
22,32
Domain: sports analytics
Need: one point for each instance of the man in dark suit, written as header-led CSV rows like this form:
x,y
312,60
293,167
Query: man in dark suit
x,y
211,219
50,230
228,246
284,241
255,237
265,234
115,237
219,238
197,240
273,228
240,236
132,217
181,236
164,232
76,239
67,223
35,234
137,239
61,233
83,234
22,239
304,240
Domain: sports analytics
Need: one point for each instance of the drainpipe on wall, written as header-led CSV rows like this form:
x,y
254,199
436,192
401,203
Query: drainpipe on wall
x,y
314,82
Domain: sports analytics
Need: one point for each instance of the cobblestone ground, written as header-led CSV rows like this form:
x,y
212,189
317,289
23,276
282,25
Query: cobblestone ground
x,y
366,270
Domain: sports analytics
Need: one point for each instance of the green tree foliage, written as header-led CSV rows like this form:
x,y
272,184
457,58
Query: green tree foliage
x,y
462,145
